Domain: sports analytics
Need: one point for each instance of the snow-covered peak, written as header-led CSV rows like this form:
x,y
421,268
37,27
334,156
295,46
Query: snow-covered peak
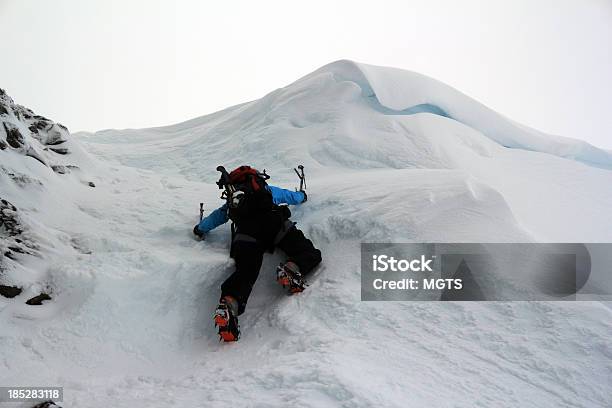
x,y
406,92
350,115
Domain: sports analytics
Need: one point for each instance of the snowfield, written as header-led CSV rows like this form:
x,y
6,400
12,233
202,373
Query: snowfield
x,y
390,156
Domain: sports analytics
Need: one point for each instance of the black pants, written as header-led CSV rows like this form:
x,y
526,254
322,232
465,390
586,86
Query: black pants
x,y
249,256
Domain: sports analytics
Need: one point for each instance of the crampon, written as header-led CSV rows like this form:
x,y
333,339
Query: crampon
x,y
289,276
226,322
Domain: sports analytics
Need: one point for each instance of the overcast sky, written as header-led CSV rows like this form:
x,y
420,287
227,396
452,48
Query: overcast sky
x,y
138,63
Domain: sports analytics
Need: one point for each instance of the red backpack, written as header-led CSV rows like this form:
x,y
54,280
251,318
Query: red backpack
x,y
248,179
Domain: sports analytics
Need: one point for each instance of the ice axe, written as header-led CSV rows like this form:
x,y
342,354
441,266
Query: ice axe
x,y
224,179
302,177
196,232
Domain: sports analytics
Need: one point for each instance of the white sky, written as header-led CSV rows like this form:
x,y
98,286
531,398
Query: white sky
x,y
138,63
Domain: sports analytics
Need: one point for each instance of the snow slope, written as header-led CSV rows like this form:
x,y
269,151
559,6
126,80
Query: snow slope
x,y
390,155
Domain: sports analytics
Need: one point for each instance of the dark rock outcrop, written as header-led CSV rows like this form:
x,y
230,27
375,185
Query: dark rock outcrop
x,y
38,300
13,243
13,136
9,291
9,219
60,169
59,150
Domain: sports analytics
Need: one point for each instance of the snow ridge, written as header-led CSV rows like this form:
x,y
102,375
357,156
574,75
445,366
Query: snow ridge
x,y
405,92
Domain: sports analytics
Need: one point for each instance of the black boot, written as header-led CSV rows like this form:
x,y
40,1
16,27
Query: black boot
x,y
226,320
289,276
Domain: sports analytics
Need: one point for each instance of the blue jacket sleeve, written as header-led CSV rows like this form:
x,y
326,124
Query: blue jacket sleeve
x,y
214,219
282,196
